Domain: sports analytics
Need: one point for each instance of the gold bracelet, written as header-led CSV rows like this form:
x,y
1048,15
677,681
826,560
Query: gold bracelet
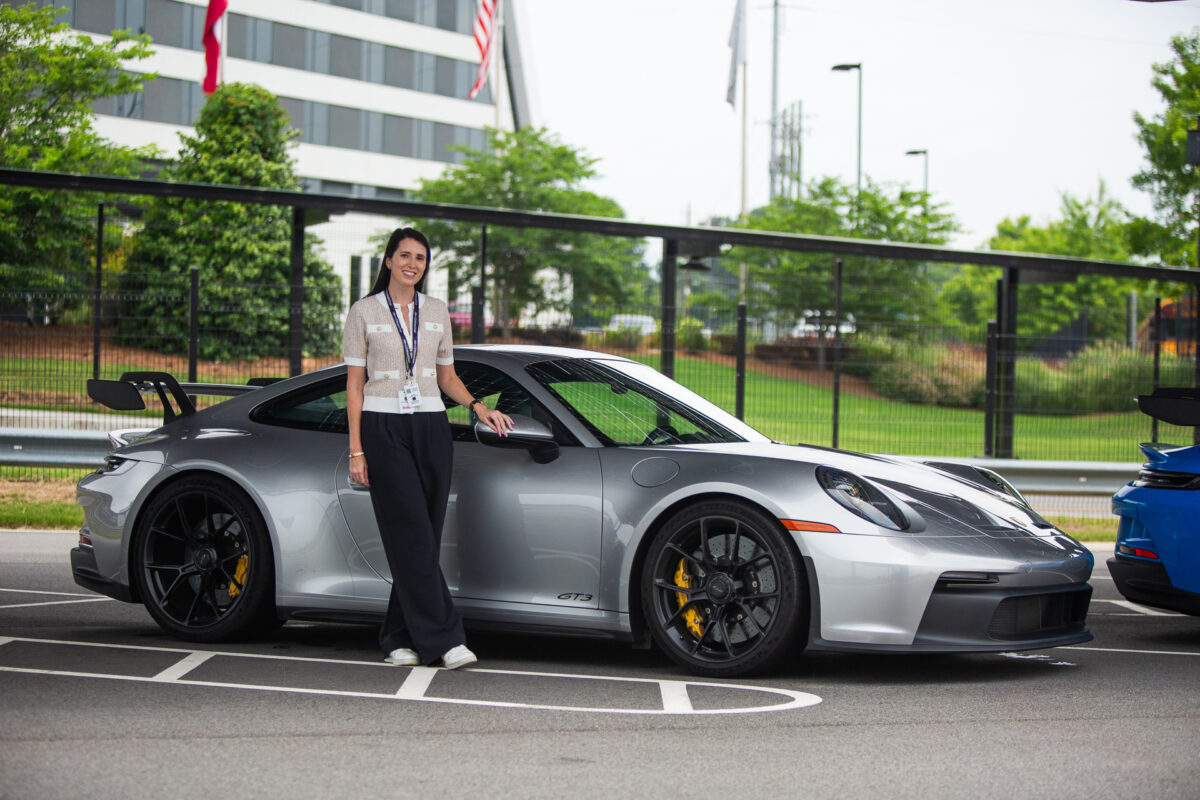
x,y
356,455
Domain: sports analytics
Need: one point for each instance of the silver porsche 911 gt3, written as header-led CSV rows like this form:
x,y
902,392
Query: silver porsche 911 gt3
x,y
622,505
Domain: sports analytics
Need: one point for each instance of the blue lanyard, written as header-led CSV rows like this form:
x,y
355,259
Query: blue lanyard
x,y
410,359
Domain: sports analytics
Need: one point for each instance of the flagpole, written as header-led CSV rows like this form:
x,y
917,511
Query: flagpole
x,y
742,268
497,55
223,43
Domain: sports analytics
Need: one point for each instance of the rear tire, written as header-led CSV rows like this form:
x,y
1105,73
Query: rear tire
x,y
203,562
723,590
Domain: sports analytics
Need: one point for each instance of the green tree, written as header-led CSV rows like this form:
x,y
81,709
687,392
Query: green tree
x,y
243,251
48,84
789,283
1087,228
1167,176
530,170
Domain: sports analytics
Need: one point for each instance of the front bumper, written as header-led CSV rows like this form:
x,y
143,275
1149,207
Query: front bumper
x,y
1147,582
986,618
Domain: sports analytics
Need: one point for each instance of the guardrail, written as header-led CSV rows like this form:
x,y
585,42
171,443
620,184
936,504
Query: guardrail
x,y
1081,478
35,447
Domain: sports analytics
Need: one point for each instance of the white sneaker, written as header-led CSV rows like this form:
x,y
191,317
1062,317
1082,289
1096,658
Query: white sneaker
x,y
458,657
403,657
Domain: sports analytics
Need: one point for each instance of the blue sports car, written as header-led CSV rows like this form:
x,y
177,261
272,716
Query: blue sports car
x,y
1157,558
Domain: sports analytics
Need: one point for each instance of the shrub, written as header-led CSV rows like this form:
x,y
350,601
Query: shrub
x,y
689,335
623,338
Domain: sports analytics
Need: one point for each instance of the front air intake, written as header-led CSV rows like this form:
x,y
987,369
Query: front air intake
x,y
1039,614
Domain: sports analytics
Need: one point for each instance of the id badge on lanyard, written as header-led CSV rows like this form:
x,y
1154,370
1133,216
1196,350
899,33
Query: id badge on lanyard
x,y
410,393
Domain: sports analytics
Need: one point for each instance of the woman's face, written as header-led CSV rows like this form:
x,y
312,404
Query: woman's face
x,y
407,264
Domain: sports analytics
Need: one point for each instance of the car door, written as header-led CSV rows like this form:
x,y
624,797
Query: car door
x,y
516,531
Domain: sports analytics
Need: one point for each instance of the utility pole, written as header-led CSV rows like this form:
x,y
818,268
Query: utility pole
x,y
774,166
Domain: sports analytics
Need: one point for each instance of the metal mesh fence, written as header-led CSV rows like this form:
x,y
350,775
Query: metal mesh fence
x,y
866,368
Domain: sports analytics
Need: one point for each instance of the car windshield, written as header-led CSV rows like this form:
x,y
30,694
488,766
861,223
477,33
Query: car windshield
x,y
627,403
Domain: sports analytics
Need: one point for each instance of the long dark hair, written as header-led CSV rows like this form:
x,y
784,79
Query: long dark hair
x,y
381,280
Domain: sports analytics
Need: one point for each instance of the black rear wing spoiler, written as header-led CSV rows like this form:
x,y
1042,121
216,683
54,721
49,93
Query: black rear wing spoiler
x,y
1172,406
126,394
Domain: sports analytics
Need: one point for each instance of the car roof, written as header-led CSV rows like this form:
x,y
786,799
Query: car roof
x,y
529,353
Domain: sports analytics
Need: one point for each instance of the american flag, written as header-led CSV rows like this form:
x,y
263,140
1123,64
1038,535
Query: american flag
x,y
485,35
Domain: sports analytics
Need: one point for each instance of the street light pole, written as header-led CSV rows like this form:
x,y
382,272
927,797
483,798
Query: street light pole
x,y
858,173
924,153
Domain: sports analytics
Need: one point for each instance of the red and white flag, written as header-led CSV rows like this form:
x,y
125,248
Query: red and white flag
x,y
212,44
485,36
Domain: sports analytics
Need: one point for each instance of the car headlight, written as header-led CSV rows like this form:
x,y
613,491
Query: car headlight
x,y
860,497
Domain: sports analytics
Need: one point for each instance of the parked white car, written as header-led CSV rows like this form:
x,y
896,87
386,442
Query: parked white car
x,y
812,323
642,323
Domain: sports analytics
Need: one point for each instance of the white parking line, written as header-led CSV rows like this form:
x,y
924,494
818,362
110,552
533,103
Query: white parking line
x,y
1136,652
675,696
675,699
182,667
53,603
1149,612
416,684
40,591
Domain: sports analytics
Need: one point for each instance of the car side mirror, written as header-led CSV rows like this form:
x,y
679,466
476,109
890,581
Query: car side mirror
x,y
526,434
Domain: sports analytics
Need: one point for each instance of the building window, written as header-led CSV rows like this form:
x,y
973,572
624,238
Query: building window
x,y
346,127
399,67
295,110
445,76
398,139
346,57
96,16
288,46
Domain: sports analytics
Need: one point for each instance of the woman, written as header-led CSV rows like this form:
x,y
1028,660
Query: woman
x,y
399,353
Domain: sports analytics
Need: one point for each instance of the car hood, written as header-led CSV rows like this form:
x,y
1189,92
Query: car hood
x,y
932,491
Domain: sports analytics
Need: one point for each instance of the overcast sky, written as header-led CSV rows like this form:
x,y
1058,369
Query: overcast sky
x,y
1017,101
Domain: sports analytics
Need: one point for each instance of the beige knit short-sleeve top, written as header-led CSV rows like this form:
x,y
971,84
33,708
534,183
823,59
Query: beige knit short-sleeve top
x,y
371,340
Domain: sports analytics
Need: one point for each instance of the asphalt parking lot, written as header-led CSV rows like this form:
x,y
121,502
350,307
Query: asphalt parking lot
x,y
95,700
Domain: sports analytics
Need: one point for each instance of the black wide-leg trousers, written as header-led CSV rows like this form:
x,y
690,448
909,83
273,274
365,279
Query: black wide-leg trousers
x,y
409,462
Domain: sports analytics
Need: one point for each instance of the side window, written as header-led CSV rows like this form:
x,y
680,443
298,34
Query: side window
x,y
316,408
501,392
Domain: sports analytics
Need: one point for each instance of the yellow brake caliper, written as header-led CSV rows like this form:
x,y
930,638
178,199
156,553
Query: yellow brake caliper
x,y
691,617
239,576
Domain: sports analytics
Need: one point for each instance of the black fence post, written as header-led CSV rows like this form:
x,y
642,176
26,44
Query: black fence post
x,y
296,306
740,387
989,402
667,340
1157,329
479,293
1195,317
97,306
837,347
355,280
193,322
1007,366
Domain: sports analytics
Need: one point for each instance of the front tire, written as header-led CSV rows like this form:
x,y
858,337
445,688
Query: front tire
x,y
723,591
203,562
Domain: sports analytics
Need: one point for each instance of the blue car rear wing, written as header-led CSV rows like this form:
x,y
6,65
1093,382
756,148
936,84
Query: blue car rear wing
x,y
126,394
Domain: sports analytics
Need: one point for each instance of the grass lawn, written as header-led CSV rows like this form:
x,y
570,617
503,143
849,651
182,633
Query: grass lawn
x,y
792,411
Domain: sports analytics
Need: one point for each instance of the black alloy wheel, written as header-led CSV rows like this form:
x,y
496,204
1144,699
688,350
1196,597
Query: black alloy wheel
x,y
723,590
203,562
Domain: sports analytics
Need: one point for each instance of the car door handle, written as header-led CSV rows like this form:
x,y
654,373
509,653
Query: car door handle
x,y
356,486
